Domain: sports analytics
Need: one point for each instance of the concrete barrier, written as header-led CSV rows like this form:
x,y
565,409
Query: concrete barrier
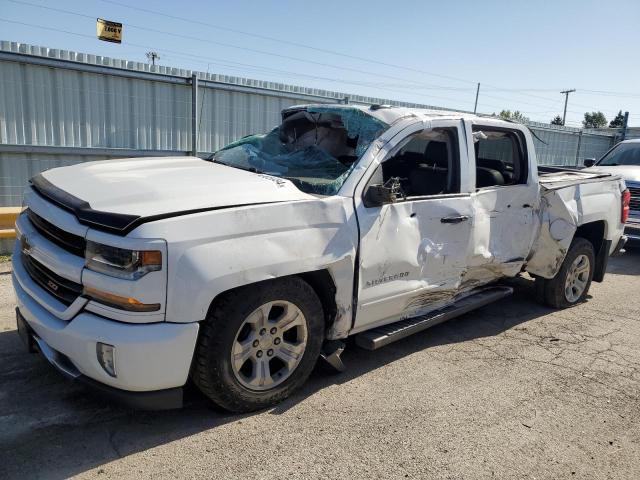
x,y
8,216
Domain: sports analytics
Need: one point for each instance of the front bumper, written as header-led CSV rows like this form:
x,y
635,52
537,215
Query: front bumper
x,y
166,399
150,358
632,231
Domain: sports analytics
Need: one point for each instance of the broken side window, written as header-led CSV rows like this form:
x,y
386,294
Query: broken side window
x,y
315,148
428,164
501,157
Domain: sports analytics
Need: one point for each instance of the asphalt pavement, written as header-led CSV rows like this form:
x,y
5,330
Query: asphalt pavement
x,y
513,390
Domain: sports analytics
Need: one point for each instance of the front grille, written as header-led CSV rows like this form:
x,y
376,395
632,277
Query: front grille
x,y
64,290
70,242
634,204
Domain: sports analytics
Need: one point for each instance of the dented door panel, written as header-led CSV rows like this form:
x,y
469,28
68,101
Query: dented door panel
x,y
505,217
410,262
504,229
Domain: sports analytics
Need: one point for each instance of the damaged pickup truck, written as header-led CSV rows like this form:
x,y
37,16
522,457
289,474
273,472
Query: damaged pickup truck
x,y
239,271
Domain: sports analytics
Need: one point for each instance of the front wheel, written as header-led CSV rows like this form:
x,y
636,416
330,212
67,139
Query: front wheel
x,y
571,284
259,344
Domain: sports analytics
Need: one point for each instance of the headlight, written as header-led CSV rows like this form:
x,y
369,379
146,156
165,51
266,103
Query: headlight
x,y
121,263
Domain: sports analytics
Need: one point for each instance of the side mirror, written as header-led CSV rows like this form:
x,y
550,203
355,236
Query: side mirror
x,y
589,162
378,195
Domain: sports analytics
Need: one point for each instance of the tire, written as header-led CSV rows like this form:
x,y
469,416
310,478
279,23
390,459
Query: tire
x,y
555,292
236,321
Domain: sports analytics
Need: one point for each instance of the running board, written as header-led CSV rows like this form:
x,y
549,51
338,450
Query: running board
x,y
381,336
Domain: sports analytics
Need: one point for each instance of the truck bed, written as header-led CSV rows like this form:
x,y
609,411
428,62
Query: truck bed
x,y
552,178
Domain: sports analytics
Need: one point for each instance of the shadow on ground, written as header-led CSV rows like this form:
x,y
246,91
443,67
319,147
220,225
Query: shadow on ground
x,y
626,264
73,431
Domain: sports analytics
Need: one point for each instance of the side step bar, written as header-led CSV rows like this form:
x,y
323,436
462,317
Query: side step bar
x,y
381,336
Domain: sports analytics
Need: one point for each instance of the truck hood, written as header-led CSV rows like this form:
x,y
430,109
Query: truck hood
x,y
159,187
627,172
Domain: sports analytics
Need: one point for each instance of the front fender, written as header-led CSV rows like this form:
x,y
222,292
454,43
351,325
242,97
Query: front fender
x,y
253,244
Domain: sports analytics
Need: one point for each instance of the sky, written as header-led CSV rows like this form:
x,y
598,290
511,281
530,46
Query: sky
x,y
523,53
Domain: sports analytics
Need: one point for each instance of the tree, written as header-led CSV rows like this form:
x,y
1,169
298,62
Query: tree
x,y
594,120
516,116
557,120
617,122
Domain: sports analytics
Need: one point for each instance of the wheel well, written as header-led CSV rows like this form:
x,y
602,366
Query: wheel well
x,y
322,283
594,233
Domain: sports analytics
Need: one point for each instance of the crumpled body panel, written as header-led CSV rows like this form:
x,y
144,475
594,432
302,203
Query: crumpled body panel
x,y
213,252
558,224
564,207
504,227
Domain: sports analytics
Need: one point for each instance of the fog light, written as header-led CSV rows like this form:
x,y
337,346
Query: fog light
x,y
107,357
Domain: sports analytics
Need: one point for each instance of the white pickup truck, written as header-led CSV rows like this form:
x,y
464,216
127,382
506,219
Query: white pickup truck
x,y
239,271
624,160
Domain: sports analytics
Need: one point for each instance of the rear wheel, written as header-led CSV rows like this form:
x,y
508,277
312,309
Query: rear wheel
x,y
259,344
571,284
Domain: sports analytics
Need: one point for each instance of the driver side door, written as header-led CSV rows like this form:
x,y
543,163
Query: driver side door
x,y
413,252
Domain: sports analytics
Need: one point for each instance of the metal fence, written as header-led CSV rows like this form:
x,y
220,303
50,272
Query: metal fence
x,y
59,108
558,145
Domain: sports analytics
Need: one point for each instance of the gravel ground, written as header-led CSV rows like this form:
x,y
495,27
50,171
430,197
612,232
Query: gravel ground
x,y
514,390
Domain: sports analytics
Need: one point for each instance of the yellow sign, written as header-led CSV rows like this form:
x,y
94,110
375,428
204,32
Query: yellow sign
x,y
109,31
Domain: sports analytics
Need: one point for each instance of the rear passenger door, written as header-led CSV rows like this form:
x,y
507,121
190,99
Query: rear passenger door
x,y
505,198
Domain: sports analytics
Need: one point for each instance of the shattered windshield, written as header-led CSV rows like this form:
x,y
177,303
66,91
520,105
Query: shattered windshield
x,y
315,148
623,154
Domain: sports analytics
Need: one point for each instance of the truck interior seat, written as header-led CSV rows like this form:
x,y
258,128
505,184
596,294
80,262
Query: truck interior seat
x,y
430,176
486,177
500,166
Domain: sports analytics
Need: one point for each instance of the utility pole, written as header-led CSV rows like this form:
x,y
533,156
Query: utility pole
x,y
624,126
566,99
153,56
475,107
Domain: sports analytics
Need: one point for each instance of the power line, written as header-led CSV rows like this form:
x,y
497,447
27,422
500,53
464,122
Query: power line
x,y
233,64
414,85
302,45
287,42
208,58
230,45
337,53
297,44
333,52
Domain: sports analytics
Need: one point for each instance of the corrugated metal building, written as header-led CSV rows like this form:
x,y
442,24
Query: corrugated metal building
x,y
59,107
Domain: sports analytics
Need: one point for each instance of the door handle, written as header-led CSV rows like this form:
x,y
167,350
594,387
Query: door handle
x,y
455,219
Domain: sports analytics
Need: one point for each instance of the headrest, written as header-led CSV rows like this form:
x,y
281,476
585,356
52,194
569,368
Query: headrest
x,y
436,154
